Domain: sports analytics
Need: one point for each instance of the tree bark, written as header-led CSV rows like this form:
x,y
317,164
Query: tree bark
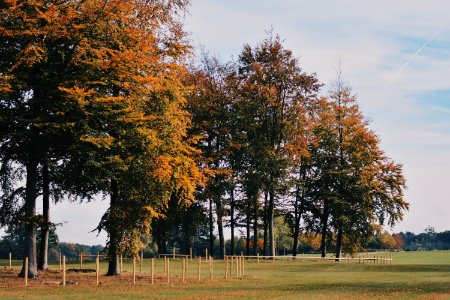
x,y
219,213
232,221
211,229
255,225
113,253
247,227
45,228
30,214
265,222
270,215
339,241
298,217
323,243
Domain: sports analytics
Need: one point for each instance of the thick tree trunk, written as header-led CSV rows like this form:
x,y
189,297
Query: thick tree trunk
x,y
232,221
298,216
30,226
219,212
323,243
187,238
265,223
255,225
271,213
45,228
247,227
211,229
339,241
113,253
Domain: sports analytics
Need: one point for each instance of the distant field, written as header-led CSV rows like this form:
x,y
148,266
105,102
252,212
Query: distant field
x,y
412,275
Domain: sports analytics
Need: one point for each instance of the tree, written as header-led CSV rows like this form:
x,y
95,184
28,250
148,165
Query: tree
x,y
358,187
272,91
33,64
387,241
95,84
213,123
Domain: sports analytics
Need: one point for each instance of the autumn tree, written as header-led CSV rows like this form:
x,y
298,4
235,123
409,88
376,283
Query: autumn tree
x,y
95,84
349,166
34,48
133,115
272,93
213,114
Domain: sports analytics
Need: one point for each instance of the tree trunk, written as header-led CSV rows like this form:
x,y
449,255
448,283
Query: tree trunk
x,y
219,212
265,223
323,243
298,208
298,218
255,225
271,213
211,229
45,228
113,253
187,238
247,227
339,241
232,221
30,226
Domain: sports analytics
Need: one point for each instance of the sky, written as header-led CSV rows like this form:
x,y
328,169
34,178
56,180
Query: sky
x,y
394,54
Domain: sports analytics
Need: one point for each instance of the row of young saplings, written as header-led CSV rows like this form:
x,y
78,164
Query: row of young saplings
x,y
233,265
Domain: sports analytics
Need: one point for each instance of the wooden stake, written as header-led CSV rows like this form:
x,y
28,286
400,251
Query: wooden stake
x,y
257,257
97,266
174,252
210,268
226,267
60,258
64,269
152,270
26,271
168,270
140,263
206,253
81,260
199,267
134,270
165,265
190,253
237,266
243,266
183,269
231,266
10,264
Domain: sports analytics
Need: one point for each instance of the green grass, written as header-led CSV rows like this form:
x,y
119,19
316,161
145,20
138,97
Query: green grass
x,y
412,275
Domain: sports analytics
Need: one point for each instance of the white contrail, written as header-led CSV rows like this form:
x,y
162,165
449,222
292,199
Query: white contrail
x,y
424,45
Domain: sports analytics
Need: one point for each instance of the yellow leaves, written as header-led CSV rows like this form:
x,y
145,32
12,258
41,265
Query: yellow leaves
x,y
77,94
31,55
99,142
5,86
153,212
164,169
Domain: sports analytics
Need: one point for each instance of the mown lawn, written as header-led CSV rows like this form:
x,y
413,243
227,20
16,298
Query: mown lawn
x,y
412,275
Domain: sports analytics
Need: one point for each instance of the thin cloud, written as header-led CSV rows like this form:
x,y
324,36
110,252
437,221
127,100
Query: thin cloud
x,y
420,49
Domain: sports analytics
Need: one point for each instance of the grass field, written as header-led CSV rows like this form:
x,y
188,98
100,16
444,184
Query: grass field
x,y
412,275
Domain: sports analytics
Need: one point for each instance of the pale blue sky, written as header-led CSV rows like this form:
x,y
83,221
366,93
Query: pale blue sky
x,y
395,55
